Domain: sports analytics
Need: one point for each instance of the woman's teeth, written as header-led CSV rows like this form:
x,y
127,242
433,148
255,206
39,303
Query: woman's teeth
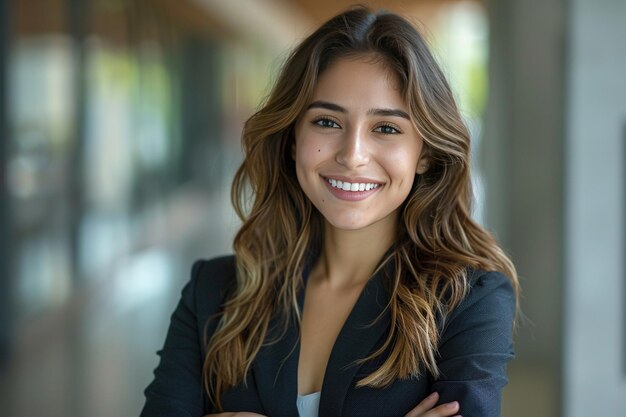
x,y
347,186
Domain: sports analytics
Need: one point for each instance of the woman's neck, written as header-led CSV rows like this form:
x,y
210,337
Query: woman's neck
x,y
349,257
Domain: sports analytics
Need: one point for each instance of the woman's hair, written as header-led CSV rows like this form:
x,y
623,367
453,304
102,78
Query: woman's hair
x,y
436,240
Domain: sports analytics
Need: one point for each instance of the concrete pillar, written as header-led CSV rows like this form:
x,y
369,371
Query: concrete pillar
x,y
523,162
554,158
594,377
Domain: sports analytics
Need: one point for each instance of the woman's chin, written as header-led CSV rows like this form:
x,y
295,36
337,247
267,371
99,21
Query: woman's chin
x,y
348,224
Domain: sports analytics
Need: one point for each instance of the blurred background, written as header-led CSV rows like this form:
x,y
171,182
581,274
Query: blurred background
x,y
119,135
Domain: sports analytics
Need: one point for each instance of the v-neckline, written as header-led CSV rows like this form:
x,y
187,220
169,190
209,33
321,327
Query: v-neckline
x,y
351,296
276,366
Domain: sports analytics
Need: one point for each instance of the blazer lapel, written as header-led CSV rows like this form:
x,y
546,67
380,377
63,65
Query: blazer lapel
x,y
276,365
275,371
356,340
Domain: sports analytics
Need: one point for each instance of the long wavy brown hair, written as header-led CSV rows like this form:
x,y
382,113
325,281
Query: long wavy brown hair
x,y
437,240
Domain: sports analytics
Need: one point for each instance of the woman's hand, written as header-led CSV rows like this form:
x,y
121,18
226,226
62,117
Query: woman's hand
x,y
425,408
243,414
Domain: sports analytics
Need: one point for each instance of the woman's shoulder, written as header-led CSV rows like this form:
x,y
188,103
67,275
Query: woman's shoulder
x,y
218,268
484,317
211,280
482,282
490,293
493,285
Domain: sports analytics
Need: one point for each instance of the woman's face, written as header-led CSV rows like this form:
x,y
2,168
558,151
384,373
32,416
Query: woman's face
x,y
356,150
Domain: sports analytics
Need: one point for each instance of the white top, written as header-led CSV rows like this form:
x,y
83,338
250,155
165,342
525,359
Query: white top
x,y
308,405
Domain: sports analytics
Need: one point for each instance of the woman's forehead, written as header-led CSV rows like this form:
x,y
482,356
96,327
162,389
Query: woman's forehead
x,y
359,81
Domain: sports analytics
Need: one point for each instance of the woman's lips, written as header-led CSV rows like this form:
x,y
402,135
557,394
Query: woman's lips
x,y
358,189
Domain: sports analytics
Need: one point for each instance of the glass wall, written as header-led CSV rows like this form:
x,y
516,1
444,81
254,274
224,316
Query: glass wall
x,y
120,135
114,106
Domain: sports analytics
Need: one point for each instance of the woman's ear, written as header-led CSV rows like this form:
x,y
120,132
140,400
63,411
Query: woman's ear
x,y
422,165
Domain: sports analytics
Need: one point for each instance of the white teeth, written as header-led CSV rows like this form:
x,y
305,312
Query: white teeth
x,y
347,186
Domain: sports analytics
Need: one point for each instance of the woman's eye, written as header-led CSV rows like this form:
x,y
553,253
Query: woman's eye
x,y
326,123
386,129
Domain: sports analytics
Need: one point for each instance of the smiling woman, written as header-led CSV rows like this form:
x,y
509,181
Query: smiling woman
x,y
360,285
352,137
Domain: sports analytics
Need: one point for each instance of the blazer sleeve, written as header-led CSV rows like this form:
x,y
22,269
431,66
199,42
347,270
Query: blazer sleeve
x,y
176,389
476,346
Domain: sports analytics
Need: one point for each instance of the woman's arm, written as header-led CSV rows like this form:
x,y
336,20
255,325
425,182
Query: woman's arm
x,y
424,409
476,346
176,389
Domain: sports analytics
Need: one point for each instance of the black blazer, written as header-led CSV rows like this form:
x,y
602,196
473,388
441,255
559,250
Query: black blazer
x,y
476,345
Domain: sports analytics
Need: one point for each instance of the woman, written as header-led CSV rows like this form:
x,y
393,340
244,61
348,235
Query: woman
x,y
360,284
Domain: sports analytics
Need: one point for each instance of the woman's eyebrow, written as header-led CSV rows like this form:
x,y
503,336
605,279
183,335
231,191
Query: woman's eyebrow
x,y
372,112
327,105
389,112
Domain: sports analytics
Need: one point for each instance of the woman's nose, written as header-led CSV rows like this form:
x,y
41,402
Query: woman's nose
x,y
353,151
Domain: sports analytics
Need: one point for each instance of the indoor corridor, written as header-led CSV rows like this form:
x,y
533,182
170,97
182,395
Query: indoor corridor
x,y
120,125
